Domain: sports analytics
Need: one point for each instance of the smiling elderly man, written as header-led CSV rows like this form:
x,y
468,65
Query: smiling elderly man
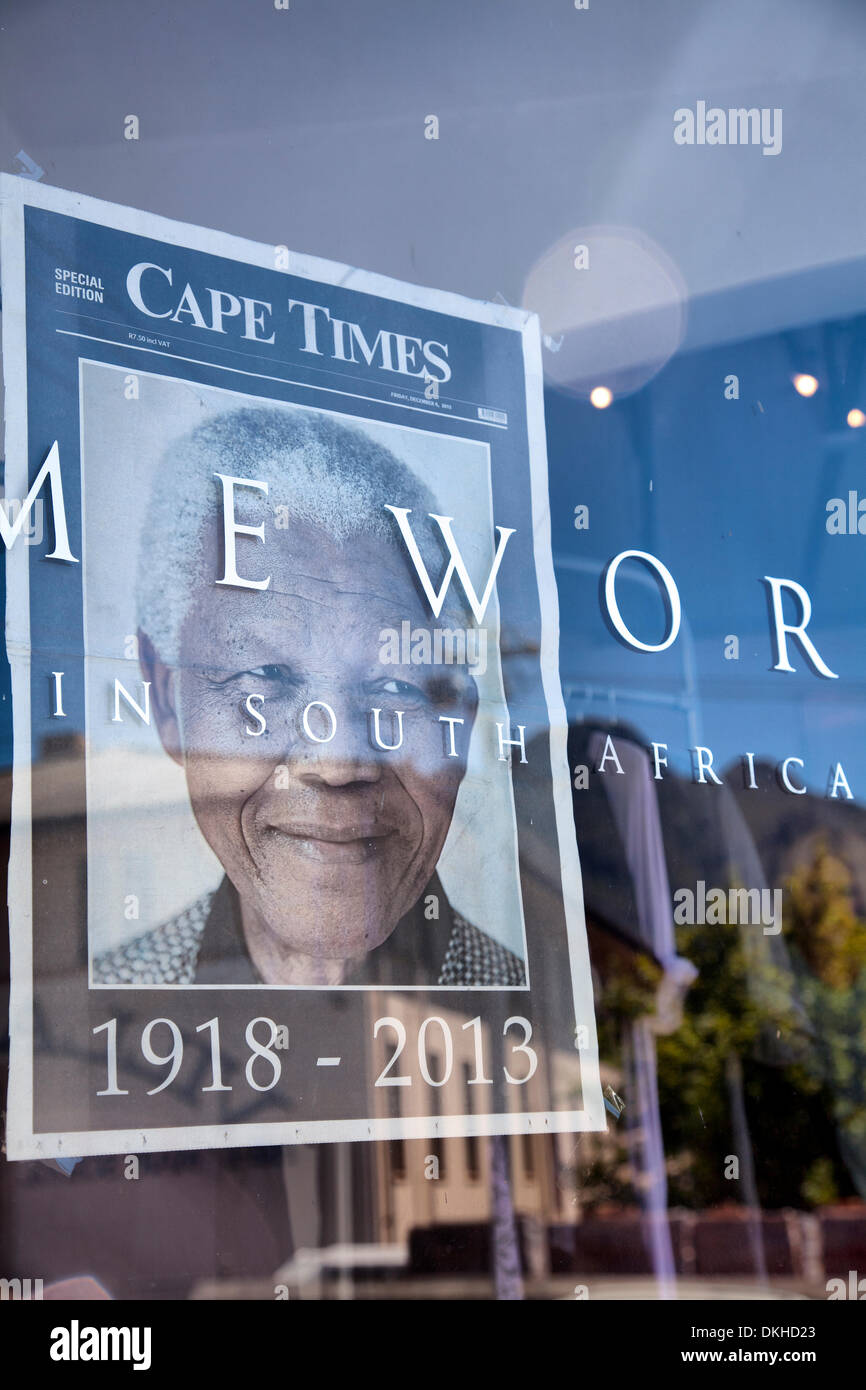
x,y
329,822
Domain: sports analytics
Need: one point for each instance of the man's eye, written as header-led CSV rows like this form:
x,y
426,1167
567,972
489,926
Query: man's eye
x,y
281,675
439,690
404,688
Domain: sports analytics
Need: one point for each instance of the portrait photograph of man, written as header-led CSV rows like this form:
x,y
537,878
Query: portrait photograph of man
x,y
297,759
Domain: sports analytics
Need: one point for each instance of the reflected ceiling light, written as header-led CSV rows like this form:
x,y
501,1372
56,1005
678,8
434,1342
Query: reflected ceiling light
x,y
856,418
612,307
805,385
601,397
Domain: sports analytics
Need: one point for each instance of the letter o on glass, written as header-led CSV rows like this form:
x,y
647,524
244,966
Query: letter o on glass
x,y
305,720
671,590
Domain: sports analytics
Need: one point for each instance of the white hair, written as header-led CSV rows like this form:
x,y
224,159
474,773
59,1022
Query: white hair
x,y
328,474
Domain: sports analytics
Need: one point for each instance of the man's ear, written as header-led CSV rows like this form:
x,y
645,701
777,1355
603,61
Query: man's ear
x,y
469,717
474,702
162,696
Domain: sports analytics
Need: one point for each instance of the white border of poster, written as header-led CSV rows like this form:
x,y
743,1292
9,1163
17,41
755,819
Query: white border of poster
x,y
22,1141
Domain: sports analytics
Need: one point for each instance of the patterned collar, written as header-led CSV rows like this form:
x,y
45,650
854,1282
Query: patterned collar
x,y
204,944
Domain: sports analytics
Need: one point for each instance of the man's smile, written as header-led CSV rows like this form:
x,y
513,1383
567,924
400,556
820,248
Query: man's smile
x,y
333,843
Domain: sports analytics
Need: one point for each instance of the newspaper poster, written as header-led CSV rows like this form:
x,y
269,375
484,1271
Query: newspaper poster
x,y
293,854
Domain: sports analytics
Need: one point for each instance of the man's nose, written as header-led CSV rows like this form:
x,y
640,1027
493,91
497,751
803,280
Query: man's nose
x,y
335,748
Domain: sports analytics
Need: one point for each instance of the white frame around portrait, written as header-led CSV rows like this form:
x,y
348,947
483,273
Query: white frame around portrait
x,y
22,1141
